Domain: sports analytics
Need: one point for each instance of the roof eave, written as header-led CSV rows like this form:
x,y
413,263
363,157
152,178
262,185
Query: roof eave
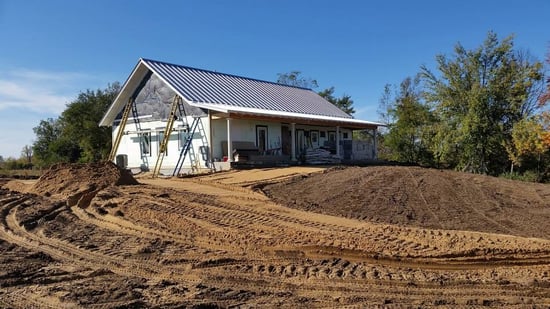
x,y
125,93
297,116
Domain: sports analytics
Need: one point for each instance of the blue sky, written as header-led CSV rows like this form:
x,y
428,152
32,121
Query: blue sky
x,y
52,50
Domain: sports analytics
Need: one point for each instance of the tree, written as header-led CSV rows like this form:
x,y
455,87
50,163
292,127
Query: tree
x,y
545,115
26,153
385,105
479,95
409,121
345,103
80,122
294,78
75,136
545,97
527,141
48,132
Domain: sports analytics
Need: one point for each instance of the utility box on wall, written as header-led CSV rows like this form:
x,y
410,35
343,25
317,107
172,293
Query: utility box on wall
x,y
122,161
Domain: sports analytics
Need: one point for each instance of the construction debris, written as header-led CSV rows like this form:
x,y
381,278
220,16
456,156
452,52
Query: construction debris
x,y
320,156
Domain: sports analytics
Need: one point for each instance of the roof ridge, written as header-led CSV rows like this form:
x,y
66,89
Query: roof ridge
x,y
226,74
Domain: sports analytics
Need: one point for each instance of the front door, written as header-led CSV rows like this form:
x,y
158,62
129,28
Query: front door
x,y
285,141
300,142
261,138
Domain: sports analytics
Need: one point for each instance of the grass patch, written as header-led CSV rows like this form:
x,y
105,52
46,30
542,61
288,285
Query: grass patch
x,y
20,174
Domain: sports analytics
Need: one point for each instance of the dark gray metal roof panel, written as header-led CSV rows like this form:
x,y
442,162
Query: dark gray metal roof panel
x,y
203,86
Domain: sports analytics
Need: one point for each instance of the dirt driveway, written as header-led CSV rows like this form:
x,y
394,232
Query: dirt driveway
x,y
213,241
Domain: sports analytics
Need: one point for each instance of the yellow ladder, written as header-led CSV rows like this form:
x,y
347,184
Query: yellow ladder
x,y
121,128
169,126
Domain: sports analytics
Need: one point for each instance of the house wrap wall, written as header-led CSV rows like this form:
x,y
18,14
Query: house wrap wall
x,y
153,102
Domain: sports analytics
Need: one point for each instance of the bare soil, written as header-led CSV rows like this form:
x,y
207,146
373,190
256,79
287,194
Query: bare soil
x,y
421,197
89,236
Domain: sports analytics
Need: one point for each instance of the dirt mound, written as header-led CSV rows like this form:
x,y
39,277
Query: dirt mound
x,y
66,180
421,197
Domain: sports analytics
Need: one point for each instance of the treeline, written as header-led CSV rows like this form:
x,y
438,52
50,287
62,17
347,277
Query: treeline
x,y
481,111
75,135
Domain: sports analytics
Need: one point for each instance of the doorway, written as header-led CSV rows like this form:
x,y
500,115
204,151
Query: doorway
x,y
300,142
285,141
261,139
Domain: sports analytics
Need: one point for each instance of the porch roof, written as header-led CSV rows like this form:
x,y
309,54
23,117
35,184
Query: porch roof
x,y
235,95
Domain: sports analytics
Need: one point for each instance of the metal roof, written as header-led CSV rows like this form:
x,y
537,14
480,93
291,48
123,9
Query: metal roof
x,y
202,86
231,93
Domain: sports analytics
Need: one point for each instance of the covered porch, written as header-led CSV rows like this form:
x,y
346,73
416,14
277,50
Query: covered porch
x,y
256,139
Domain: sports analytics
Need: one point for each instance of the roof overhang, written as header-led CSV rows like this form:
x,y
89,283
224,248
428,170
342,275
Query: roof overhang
x,y
127,91
318,120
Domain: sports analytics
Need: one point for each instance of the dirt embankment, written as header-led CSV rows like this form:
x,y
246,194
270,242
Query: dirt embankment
x,y
420,197
64,180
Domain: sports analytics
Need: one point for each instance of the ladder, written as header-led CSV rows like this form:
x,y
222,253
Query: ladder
x,y
129,106
189,149
169,127
138,129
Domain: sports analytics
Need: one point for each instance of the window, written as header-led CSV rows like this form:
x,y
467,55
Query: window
x,y
261,138
300,142
332,136
183,134
323,134
314,136
145,143
345,135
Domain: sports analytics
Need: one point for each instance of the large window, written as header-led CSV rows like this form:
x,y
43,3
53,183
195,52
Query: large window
x,y
145,143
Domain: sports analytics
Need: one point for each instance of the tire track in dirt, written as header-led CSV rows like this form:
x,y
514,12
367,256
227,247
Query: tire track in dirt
x,y
229,214
381,289
233,247
65,251
425,203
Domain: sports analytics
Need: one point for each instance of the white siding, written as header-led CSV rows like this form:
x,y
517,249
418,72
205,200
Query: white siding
x,y
243,130
130,145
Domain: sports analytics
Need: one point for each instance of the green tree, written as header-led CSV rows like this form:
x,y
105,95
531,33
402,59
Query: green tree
x,y
294,78
527,142
409,121
51,146
75,136
345,103
478,96
80,122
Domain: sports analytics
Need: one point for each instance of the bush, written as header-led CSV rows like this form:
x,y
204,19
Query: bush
x,y
528,176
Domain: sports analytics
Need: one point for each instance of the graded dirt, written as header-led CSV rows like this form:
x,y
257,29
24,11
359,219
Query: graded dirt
x,y
421,197
82,236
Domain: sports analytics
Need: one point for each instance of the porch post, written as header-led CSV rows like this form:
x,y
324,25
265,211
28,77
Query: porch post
x,y
375,146
210,144
293,142
338,141
229,144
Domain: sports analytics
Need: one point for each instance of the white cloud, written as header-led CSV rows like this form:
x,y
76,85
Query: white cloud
x,y
28,96
17,131
39,91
